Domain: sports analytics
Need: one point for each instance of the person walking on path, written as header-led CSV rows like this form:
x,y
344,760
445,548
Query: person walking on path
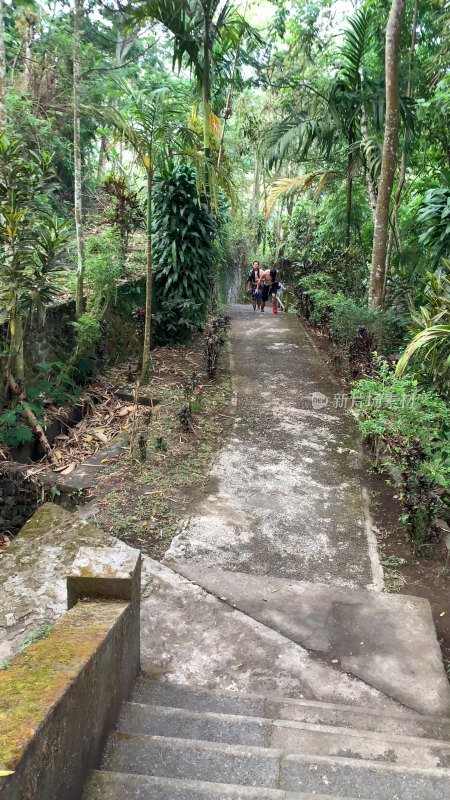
x,y
270,282
252,281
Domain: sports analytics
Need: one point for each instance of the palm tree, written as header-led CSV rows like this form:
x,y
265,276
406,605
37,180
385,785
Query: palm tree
x,y
150,126
432,333
155,127
3,119
388,163
434,344
78,196
340,114
206,34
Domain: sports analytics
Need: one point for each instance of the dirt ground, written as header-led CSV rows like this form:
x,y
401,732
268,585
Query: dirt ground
x,y
404,572
148,490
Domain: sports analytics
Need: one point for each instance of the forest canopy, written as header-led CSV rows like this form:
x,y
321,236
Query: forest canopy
x,y
311,135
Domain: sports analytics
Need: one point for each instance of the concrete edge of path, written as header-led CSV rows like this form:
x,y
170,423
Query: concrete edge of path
x,y
377,569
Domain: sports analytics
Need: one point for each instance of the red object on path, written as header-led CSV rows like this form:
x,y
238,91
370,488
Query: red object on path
x,y
275,310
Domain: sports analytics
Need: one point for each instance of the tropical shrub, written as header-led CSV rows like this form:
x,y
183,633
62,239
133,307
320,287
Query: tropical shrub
x,y
410,426
53,385
103,268
215,338
434,216
32,243
126,211
183,232
429,350
343,317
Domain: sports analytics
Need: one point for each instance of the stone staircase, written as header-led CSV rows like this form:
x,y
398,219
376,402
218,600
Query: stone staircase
x,y
178,742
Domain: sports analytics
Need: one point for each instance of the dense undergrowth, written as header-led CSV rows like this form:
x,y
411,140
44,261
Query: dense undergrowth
x,y
193,154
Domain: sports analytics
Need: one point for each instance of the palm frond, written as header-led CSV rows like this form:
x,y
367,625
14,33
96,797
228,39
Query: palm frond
x,y
287,187
435,340
370,150
357,41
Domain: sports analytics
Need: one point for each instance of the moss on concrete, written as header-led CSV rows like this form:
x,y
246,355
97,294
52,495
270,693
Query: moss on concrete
x,y
38,677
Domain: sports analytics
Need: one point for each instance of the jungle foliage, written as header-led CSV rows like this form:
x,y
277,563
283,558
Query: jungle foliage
x,y
172,141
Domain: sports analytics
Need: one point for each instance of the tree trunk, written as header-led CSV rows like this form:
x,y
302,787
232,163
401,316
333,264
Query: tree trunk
x,y
206,93
206,79
227,113
148,296
348,209
101,168
256,186
3,118
78,8
402,175
127,34
371,186
28,41
17,347
390,145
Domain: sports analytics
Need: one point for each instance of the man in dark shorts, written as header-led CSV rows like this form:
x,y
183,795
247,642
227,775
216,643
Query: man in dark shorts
x,y
269,278
252,281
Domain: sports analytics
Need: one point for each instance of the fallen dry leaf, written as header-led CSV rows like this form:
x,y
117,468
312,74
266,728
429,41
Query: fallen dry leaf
x,y
101,437
69,469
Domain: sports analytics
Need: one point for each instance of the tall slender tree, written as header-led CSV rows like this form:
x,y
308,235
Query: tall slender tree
x,y
3,117
78,12
402,174
388,162
152,125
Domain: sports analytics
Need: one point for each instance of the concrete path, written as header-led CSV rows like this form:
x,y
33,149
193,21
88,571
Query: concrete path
x,y
284,496
189,636
284,503
388,641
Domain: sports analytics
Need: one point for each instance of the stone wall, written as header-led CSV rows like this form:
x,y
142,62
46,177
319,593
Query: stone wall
x,y
61,696
52,339
18,499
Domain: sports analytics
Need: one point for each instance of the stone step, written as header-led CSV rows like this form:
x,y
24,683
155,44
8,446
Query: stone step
x,y
290,736
182,723
178,695
273,707
368,780
272,769
120,786
193,760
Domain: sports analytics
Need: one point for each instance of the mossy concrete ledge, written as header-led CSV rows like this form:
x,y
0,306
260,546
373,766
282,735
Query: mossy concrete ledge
x,y
61,696
34,569
104,572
